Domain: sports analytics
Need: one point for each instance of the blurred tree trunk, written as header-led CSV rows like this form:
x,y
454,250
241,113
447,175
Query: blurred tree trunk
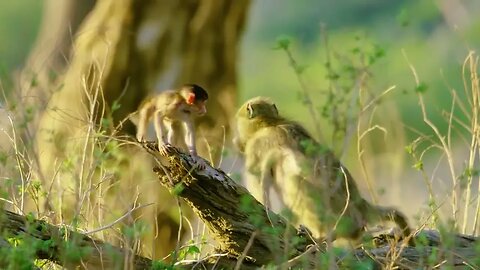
x,y
455,13
51,52
124,50
47,60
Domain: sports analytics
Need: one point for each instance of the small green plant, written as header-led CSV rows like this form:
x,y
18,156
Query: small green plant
x,y
160,265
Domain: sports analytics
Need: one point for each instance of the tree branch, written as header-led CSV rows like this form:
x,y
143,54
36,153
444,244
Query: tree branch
x,y
221,203
230,212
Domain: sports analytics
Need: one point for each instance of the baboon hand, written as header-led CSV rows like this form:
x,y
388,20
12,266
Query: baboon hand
x,y
164,148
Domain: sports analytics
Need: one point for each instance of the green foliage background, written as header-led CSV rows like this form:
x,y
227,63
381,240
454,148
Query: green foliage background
x,y
417,27
390,34
19,23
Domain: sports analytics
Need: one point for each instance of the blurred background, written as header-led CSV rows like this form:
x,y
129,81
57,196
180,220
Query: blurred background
x,y
436,37
368,65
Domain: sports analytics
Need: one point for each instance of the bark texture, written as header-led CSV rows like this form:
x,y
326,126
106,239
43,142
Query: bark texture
x,y
240,224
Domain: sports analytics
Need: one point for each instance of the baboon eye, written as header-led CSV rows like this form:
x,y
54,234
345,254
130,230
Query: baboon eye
x,y
249,111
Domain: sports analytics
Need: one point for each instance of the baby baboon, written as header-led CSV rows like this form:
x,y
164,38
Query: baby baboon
x,y
171,107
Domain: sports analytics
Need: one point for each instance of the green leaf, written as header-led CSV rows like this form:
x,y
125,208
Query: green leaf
x,y
421,88
105,122
299,69
34,81
3,158
283,43
193,250
403,18
409,149
161,265
418,165
379,51
115,106
178,189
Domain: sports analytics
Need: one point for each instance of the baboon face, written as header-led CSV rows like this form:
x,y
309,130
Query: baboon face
x,y
254,114
196,97
261,107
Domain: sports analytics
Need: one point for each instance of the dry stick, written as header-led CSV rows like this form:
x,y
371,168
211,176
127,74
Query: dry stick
x,y
361,135
445,147
476,90
13,139
474,132
180,223
308,98
244,253
296,260
118,219
180,227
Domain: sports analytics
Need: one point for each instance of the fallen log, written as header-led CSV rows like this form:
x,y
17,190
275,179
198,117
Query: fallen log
x,y
246,232
67,247
243,228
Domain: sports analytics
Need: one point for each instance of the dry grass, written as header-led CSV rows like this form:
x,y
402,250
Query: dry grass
x,y
102,207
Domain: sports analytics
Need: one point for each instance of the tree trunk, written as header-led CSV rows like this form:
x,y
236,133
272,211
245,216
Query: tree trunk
x,y
47,61
51,52
124,50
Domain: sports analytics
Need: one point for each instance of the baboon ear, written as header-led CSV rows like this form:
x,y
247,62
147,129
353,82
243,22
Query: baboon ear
x,y
191,98
275,108
249,111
